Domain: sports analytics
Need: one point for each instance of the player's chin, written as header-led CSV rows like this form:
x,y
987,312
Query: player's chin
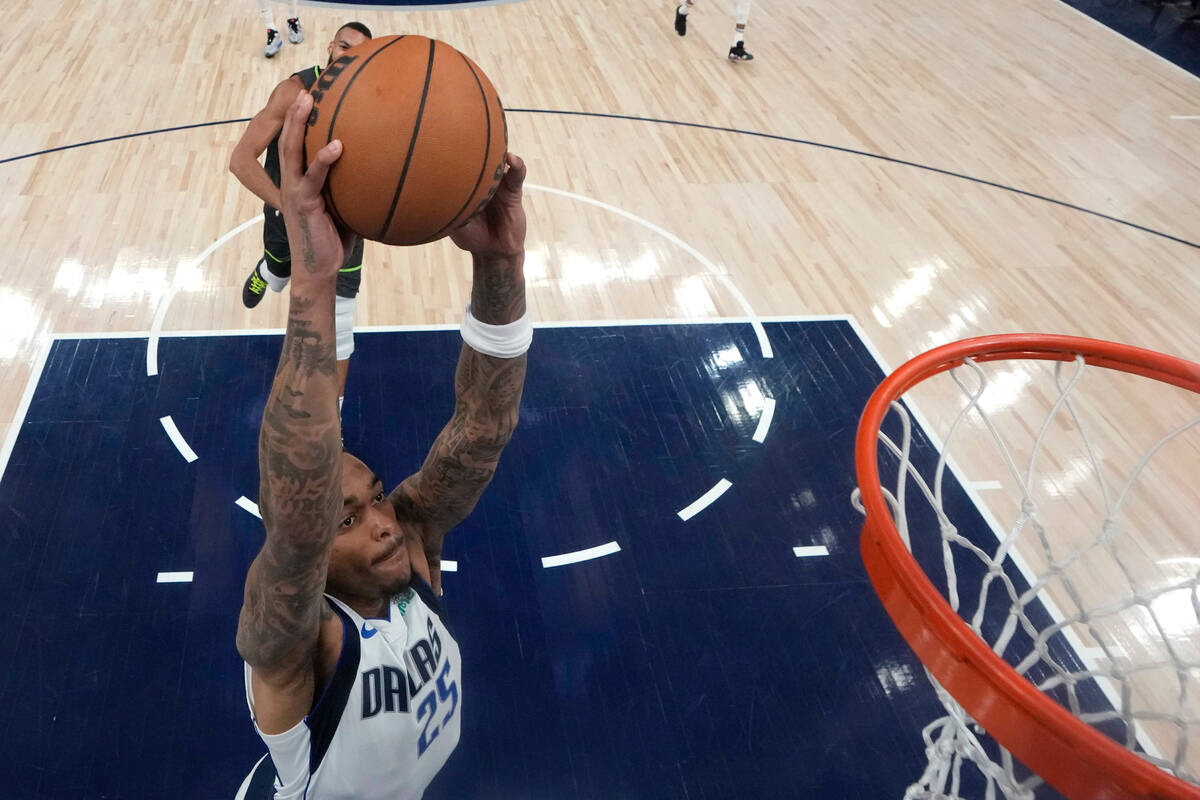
x,y
395,575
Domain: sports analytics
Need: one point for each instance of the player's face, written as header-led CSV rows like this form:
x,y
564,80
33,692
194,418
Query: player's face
x,y
343,41
370,552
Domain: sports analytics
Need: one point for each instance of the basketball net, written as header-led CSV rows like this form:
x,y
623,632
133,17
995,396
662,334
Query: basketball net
x,y
1030,595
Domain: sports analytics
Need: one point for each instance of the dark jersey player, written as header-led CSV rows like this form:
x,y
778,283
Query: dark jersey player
x,y
274,268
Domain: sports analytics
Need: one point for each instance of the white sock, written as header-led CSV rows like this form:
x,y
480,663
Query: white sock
x,y
741,17
739,34
264,11
295,10
686,7
276,282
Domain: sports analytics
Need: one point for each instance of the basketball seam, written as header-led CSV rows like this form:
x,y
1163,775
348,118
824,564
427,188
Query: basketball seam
x,y
487,149
412,143
333,121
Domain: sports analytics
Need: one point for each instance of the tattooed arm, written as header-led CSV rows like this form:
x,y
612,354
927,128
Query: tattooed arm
x,y
487,389
299,455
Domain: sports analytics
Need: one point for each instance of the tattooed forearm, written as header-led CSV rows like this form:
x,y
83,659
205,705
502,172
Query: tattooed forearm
x,y
299,443
300,491
498,290
463,459
305,349
488,390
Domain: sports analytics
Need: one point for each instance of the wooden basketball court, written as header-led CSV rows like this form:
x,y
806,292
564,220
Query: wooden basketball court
x,y
935,170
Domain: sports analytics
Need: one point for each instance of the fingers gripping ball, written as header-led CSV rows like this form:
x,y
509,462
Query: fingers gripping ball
x,y
423,138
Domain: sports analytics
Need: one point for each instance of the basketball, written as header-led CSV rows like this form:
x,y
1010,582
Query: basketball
x,y
423,138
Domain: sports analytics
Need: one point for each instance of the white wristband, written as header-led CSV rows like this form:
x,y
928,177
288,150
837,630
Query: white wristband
x,y
500,341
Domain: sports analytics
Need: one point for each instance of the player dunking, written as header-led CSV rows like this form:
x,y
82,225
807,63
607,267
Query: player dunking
x,y
737,51
353,679
275,266
274,42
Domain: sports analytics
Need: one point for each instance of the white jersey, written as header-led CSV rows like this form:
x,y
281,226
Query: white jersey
x,y
390,715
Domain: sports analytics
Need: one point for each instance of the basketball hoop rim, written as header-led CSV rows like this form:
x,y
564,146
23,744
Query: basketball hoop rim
x,y
1069,754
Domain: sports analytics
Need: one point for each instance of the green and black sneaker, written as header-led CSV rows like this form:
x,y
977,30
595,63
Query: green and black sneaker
x,y
253,289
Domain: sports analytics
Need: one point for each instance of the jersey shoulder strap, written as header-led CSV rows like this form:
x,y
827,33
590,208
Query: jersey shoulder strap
x,y
308,76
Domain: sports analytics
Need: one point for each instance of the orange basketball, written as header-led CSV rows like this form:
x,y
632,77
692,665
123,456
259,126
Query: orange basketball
x,y
423,138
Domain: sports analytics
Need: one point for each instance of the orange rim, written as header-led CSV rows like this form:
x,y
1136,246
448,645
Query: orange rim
x,y
1070,755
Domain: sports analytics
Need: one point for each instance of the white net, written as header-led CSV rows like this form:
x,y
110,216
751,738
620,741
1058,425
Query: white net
x,y
1085,578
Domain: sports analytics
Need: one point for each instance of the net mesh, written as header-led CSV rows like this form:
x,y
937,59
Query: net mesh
x,y
1089,586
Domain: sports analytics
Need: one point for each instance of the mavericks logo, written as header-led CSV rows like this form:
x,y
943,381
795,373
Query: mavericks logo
x,y
402,601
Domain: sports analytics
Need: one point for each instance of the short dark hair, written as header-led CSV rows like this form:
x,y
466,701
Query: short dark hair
x,y
356,26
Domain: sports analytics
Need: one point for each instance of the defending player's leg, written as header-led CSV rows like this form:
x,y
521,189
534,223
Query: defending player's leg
x,y
681,12
274,269
737,51
274,43
295,32
348,281
343,326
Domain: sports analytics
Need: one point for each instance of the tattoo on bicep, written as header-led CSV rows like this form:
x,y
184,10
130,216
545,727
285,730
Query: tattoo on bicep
x,y
282,605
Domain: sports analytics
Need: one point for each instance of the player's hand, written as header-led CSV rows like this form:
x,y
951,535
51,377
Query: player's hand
x,y
497,232
318,246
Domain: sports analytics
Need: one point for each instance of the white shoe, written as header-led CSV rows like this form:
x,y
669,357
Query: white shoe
x,y
274,44
295,32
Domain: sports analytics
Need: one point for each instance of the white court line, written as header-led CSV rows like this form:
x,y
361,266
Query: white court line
x,y
453,326
247,504
18,421
580,555
1097,653
983,486
764,420
705,500
810,551
174,577
1185,116
998,531
161,313
763,342
189,455
1188,560
449,566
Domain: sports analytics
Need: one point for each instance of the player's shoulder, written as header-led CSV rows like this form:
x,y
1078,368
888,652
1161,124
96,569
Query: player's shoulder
x,y
285,92
308,76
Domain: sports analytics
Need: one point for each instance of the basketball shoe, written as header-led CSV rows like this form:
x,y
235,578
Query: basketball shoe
x,y
295,32
253,289
680,21
274,43
738,53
